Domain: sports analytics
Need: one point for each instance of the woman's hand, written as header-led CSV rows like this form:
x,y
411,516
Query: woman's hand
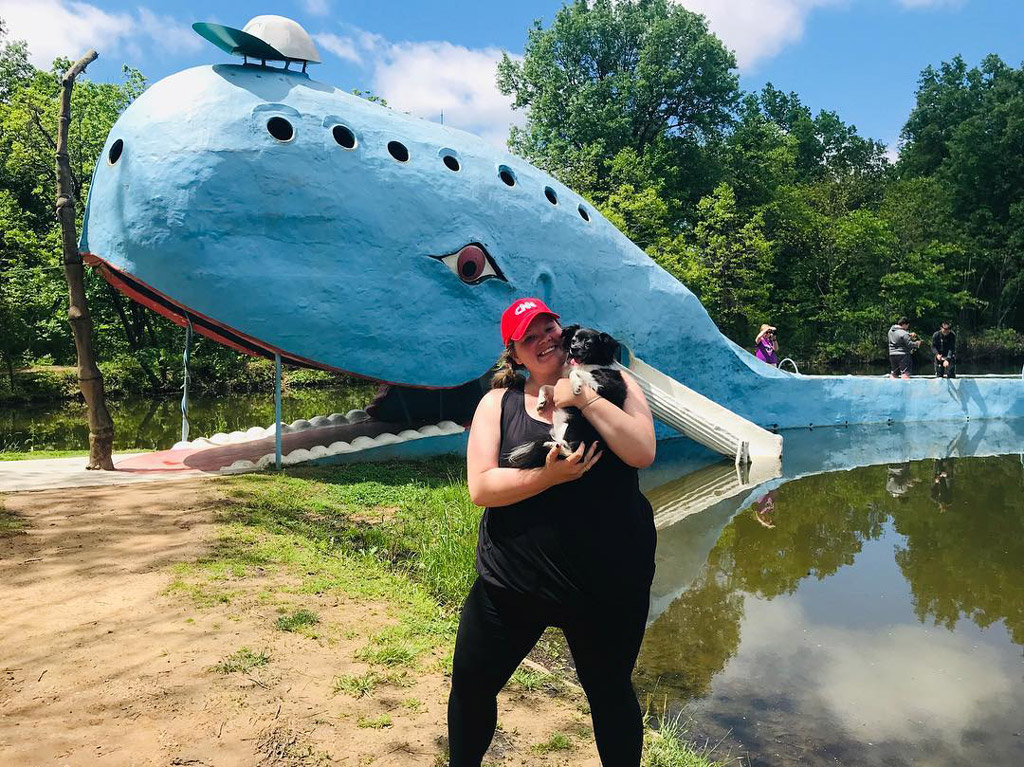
x,y
573,467
565,398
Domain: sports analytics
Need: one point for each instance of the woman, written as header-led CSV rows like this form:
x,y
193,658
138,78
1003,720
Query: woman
x,y
568,545
767,345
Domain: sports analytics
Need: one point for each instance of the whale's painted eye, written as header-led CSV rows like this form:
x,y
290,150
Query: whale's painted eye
x,y
471,264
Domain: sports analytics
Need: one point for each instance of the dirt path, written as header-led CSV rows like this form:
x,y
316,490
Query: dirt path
x,y
100,664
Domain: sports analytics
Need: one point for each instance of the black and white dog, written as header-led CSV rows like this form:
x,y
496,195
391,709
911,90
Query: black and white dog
x,y
589,358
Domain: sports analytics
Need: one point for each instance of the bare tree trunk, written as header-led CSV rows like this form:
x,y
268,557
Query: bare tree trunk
x,y
101,426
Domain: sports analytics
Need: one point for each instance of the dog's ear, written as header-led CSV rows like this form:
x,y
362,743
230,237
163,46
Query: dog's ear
x,y
609,343
567,333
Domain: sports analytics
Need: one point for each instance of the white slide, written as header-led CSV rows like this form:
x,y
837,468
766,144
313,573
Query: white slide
x,y
703,420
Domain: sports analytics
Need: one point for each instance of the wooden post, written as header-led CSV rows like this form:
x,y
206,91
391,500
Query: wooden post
x,y
101,426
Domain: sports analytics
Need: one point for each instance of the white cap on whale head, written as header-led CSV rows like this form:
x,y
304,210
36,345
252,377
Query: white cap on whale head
x,y
284,34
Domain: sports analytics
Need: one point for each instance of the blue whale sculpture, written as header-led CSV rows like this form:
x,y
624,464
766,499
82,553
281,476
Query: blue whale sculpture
x,y
282,215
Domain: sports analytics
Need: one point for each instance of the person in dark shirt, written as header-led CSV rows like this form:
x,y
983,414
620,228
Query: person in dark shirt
x,y
944,351
570,544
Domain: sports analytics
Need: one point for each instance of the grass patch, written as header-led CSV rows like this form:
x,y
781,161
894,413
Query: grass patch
x,y
413,704
667,746
10,523
201,594
528,680
242,660
357,685
298,620
557,742
22,455
379,723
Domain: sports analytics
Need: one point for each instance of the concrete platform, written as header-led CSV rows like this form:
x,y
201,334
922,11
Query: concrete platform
x,y
51,473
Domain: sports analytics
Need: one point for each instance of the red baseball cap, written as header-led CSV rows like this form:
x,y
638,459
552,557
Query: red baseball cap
x,y
517,318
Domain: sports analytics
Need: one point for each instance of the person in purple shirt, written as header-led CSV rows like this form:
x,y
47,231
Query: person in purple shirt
x,y
767,346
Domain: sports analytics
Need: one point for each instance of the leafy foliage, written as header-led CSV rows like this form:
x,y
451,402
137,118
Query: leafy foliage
x,y
771,213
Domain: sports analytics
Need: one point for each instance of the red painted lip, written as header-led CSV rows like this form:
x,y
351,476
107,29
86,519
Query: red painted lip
x,y
180,315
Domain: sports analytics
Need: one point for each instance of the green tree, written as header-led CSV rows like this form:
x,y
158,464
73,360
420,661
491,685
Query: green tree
x,y
731,263
644,75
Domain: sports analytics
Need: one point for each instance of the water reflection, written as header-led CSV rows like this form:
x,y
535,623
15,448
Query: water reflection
x,y
811,615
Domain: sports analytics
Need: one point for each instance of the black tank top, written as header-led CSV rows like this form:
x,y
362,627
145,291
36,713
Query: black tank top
x,y
589,539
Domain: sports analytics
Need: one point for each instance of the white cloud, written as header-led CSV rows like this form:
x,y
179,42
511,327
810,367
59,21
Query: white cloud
x,y
426,79
69,28
342,47
55,28
174,36
903,682
317,7
757,29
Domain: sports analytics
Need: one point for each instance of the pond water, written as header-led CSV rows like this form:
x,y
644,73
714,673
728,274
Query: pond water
x,y
155,424
863,616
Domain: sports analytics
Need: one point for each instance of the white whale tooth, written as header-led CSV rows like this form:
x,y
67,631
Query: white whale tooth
x,y
266,461
387,438
430,430
318,451
181,445
362,443
337,418
318,421
342,447
449,427
255,432
300,425
296,456
356,416
410,434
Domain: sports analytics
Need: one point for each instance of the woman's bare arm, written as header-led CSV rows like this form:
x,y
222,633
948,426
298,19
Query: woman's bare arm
x,y
490,485
629,432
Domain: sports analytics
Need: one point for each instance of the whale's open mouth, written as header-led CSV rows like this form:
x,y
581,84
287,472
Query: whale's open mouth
x,y
398,412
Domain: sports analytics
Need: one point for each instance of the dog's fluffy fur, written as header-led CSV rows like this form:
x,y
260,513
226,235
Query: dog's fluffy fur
x,y
589,356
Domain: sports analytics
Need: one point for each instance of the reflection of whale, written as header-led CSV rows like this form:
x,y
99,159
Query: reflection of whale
x,y
283,216
692,493
683,547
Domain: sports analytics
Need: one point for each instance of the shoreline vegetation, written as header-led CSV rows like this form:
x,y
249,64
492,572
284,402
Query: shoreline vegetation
x,y
126,377
402,533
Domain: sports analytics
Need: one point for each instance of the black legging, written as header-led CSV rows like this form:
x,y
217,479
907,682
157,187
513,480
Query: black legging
x,y
498,628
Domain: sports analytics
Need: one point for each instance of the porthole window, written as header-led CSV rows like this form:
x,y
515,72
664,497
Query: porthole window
x,y
280,129
398,150
550,194
344,136
115,151
451,162
584,214
506,174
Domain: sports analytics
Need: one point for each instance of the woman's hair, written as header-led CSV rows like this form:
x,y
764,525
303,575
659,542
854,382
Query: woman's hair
x,y
506,373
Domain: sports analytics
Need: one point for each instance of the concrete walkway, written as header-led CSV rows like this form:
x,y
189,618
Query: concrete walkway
x,y
51,473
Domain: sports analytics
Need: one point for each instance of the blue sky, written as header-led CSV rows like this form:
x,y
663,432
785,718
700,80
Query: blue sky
x,y
860,58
